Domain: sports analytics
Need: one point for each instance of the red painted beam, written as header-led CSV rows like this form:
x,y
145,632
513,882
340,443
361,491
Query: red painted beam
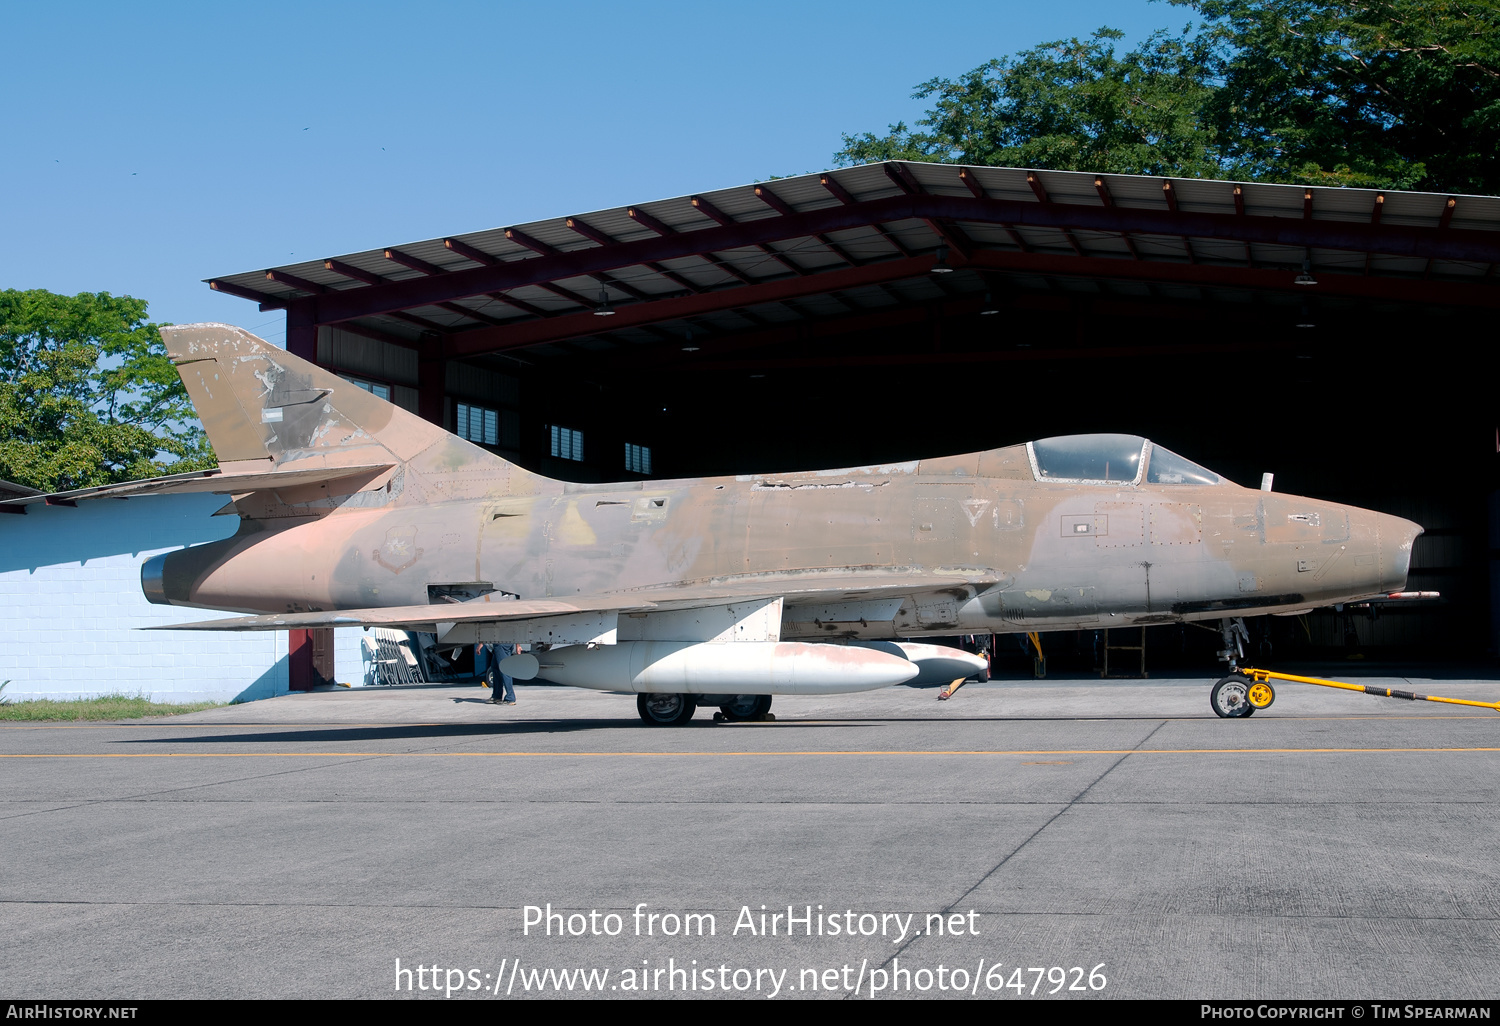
x,y
845,197
296,282
1036,187
356,328
1407,290
667,231
703,206
779,205
265,299
972,181
357,273
1447,216
928,358
1102,188
1170,195
395,256
588,231
533,333
1403,240
420,322
479,256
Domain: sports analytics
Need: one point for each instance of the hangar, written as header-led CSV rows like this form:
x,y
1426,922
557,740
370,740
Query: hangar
x,y
884,312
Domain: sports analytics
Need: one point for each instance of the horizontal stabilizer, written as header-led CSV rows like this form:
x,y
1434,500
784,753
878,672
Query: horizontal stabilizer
x,y
426,617
343,480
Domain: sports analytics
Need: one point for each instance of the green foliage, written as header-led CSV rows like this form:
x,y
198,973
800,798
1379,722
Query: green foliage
x,y
1399,94
88,395
1394,94
1070,105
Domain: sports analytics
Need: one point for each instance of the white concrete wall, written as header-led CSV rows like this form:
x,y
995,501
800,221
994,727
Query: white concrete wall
x,y
71,609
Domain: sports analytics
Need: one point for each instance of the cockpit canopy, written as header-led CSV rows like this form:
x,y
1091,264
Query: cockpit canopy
x,y
1112,459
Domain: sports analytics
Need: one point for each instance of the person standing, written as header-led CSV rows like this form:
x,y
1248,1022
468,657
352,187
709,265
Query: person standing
x,y
502,689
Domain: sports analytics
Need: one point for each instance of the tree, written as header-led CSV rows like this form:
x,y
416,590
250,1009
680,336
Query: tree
x,y
1394,94
88,395
1388,94
1069,105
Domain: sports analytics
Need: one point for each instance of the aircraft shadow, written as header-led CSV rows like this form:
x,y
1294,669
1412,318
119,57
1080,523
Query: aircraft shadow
x,y
437,731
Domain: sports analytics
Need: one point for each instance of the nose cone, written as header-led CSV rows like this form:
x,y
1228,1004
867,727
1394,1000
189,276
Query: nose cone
x,y
1397,536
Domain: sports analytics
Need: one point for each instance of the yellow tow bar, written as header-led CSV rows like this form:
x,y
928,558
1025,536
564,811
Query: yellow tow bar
x,y
1248,689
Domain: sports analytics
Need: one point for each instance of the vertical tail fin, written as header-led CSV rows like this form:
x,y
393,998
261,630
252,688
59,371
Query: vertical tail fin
x,y
260,403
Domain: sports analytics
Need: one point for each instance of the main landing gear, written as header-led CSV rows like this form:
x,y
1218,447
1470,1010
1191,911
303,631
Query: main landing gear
x,y
665,710
744,709
669,710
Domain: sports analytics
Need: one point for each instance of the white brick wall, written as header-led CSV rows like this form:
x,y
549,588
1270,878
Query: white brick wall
x,y
71,609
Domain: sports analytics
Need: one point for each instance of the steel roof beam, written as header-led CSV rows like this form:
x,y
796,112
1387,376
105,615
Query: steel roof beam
x,y
952,236
971,180
1239,211
779,205
703,206
574,325
667,231
287,278
1401,240
1407,290
593,234
845,197
421,322
357,273
355,328
537,246
1170,194
265,299
1102,188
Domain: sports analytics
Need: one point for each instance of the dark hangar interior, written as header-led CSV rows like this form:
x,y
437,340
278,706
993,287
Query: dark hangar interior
x,y
1331,336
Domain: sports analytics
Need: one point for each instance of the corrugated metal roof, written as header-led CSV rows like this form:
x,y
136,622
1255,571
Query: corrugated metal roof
x,y
1047,215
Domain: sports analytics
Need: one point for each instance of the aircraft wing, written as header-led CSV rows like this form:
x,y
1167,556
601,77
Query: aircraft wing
x,y
425,617
833,584
353,478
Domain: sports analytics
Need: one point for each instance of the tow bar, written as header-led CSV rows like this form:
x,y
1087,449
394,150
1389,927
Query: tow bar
x,y
1246,690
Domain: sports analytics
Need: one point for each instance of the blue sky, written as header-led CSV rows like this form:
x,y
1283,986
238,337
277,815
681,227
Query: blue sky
x,y
151,146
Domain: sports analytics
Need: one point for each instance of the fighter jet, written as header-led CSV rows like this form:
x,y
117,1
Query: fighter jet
x,y
719,591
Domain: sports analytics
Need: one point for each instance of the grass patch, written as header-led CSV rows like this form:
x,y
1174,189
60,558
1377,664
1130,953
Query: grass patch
x,y
105,707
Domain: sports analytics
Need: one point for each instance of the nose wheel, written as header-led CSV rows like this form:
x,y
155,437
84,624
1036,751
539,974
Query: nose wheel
x,y
1230,697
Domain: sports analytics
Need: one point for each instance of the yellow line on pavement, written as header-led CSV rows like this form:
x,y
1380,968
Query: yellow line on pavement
x,y
738,754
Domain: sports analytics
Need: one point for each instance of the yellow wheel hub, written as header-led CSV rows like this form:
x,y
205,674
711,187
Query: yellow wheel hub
x,y
1261,694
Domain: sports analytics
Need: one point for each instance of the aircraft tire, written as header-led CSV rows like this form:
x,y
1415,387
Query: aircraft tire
x,y
746,708
1230,697
665,710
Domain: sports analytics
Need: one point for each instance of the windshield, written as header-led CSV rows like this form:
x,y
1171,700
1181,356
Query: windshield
x,y
1114,458
1169,468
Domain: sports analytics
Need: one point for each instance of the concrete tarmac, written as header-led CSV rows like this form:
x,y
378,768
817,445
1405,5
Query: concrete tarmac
x,y
1103,840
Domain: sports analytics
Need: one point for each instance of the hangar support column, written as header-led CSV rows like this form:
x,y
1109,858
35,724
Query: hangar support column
x,y
432,375
309,652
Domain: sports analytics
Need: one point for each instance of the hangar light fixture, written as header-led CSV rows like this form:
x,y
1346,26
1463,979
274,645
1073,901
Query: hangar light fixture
x,y
941,267
604,309
1305,278
989,306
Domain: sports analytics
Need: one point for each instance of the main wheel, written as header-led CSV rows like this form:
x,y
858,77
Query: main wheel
x,y
746,707
1231,697
665,710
